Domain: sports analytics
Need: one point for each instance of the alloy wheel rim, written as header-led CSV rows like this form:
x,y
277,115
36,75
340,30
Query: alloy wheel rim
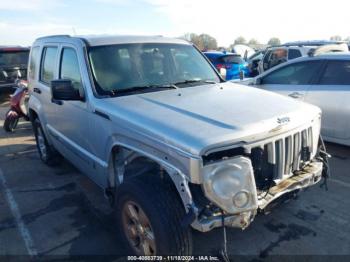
x,y
41,143
138,229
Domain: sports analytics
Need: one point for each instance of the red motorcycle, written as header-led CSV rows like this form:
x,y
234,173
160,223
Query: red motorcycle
x,y
18,106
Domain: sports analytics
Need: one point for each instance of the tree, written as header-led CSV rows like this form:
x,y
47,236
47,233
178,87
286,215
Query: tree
x,y
253,43
202,41
208,42
335,38
240,40
274,41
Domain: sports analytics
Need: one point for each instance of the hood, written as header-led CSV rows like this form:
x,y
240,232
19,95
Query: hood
x,y
196,119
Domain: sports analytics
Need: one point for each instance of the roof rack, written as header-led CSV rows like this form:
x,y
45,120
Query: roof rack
x,y
313,43
52,36
330,48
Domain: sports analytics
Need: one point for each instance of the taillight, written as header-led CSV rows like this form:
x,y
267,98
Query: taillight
x,y
219,66
226,66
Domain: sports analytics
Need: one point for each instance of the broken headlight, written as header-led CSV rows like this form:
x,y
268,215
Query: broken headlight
x,y
230,184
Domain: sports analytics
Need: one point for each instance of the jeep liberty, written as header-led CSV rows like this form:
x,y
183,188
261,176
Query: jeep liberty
x,y
173,146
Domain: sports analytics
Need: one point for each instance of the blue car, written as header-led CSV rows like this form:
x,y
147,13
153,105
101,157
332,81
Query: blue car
x,y
233,63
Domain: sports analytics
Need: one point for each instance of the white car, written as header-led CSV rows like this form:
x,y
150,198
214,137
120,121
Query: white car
x,y
280,54
322,80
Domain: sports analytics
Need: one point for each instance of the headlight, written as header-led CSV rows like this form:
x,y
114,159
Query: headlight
x,y
230,184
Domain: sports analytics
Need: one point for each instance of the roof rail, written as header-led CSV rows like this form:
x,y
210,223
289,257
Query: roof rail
x,y
49,36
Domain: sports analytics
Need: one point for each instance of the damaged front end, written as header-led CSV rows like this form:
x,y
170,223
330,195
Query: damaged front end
x,y
238,183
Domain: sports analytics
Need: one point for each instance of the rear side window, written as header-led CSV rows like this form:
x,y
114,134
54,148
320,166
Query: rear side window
x,y
293,74
33,65
336,73
48,63
69,67
293,53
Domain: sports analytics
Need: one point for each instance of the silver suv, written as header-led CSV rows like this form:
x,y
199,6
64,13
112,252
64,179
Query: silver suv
x,y
172,145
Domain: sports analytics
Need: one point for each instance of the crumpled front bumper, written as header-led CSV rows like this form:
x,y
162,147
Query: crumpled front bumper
x,y
308,176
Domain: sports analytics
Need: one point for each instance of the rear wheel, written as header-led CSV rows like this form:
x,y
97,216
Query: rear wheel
x,y
10,123
149,213
47,152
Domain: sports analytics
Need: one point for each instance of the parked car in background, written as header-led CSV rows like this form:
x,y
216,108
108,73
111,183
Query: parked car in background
x,y
173,146
322,80
244,51
253,62
280,54
233,63
13,65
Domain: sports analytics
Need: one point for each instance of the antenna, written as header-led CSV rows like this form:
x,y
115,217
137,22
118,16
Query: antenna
x,y
74,32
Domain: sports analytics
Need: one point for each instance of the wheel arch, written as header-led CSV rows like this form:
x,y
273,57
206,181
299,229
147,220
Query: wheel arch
x,y
125,160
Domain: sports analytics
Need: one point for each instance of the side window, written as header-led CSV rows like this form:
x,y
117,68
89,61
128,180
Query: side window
x,y
33,65
293,74
277,57
48,63
69,67
336,73
293,53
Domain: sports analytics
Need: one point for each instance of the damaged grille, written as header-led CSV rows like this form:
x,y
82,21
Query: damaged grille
x,y
276,160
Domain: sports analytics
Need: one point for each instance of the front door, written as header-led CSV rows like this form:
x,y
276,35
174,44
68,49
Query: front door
x,y
72,118
292,79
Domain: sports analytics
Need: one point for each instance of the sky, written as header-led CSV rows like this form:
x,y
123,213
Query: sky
x,y
21,21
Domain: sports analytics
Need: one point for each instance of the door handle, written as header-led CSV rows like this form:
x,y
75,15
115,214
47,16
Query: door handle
x,y
295,95
37,90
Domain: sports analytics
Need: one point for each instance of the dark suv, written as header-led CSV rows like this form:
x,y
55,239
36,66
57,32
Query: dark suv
x,y
13,65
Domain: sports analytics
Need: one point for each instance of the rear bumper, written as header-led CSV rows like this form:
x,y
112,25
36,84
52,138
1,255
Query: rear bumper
x,y
308,176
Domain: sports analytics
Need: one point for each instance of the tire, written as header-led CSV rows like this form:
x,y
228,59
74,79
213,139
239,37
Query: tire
x,y
10,123
47,153
160,203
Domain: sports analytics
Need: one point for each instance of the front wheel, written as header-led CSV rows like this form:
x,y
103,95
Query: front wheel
x,y
149,213
10,124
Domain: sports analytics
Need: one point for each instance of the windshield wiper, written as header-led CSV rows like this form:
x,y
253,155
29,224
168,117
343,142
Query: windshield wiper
x,y
140,88
190,81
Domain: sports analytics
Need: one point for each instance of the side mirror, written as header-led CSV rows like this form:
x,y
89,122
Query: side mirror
x,y
258,81
62,89
223,72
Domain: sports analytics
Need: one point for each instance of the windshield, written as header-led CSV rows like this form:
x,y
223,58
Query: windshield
x,y
126,66
14,58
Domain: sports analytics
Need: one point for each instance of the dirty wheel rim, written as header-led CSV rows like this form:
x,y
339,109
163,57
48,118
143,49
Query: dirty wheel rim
x,y
137,229
41,143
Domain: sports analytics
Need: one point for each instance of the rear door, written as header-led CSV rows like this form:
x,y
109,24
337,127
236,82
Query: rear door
x,y
42,89
292,79
331,93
